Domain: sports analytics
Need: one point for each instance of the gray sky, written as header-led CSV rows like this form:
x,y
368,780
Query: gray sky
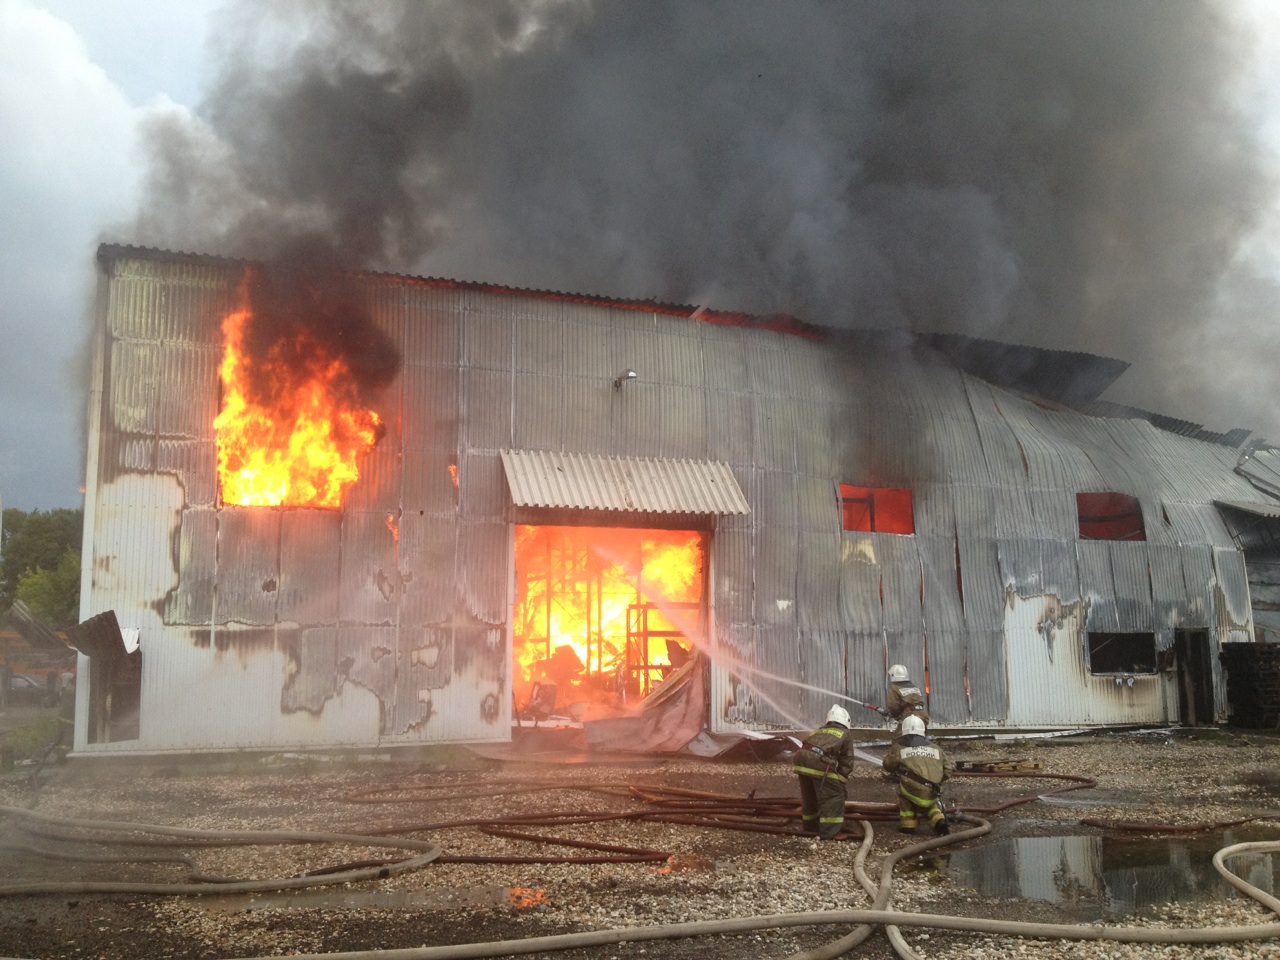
x,y
686,156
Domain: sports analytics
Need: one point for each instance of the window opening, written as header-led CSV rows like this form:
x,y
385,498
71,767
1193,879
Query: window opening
x,y
1109,516
876,509
1123,653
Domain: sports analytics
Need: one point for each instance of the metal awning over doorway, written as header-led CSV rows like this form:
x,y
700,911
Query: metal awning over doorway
x,y
539,478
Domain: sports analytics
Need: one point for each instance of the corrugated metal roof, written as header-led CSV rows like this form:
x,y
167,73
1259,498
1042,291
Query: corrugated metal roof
x,y
540,478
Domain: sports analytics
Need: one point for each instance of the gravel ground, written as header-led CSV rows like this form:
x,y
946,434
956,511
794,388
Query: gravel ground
x,y
1178,777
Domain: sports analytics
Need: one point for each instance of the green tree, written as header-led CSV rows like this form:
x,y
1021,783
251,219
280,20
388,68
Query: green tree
x,y
35,541
54,595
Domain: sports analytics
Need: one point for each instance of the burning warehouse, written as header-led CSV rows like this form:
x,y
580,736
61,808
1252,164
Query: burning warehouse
x,y
379,510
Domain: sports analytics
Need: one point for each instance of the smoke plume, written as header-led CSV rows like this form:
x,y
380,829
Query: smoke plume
x,y
1071,175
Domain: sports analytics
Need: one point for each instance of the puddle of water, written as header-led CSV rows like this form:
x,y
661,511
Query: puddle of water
x,y
339,898
1108,877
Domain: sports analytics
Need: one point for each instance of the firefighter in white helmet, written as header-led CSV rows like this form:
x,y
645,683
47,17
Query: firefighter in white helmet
x,y
822,765
921,768
903,698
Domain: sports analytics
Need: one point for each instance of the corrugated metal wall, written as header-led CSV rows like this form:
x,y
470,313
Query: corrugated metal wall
x,y
269,627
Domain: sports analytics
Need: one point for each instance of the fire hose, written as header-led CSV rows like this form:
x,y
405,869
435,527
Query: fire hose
x,y
669,805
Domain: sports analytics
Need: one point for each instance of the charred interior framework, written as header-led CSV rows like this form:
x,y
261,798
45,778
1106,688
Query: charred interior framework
x,y
837,501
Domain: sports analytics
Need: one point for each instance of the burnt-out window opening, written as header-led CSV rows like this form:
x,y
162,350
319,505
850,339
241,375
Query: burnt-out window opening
x,y
1122,652
602,614
1109,516
876,509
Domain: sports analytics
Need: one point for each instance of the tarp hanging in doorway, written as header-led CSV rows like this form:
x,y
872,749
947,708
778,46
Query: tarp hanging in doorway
x,y
667,720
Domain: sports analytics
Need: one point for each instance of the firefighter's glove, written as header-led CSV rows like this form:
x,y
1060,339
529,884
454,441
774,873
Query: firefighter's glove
x,y
884,713
942,828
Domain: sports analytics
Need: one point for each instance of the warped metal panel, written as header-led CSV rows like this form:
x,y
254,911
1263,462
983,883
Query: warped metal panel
x,y
369,575
817,581
1234,611
1097,584
248,566
133,386
170,302
934,511
1199,579
975,511
942,610
900,579
484,557
818,508
1168,592
859,596
865,659
821,669
429,484
776,559
310,545
1130,571
981,584
381,469
948,697
1014,516
187,387
194,463
192,601
988,684
548,479
1055,511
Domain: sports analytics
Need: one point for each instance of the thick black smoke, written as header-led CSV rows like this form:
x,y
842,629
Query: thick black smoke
x,y
1075,175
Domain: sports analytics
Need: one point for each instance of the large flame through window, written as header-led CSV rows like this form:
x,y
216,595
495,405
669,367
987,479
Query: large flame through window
x,y
602,614
301,361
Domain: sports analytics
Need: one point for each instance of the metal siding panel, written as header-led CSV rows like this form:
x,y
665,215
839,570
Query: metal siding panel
x,y
310,572
485,419
1129,568
588,354
588,406
486,342
774,435
381,469
948,653
975,511
188,387
724,359
1056,514
639,420
133,386
191,602
818,583
686,423
538,402
1232,598
820,662
427,557
942,610
194,464
901,586
432,328
732,585
730,431
430,408
1199,579
775,504
484,559
982,586
429,487
482,487
369,574
1169,601
777,556
988,683
248,566
860,584
539,347
1097,584
933,510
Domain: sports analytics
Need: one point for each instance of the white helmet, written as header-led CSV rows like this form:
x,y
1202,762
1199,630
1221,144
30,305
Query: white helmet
x,y
912,726
838,714
898,673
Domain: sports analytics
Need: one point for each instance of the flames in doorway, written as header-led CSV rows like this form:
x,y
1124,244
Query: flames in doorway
x,y
602,615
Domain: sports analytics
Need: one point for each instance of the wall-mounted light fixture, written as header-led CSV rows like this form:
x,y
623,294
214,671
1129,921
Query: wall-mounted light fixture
x,y
622,378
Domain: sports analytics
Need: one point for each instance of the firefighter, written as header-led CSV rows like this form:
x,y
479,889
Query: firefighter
x,y
903,697
921,768
822,765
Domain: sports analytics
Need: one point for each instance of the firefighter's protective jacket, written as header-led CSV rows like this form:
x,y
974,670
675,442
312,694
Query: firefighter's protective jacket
x,y
902,698
826,753
920,765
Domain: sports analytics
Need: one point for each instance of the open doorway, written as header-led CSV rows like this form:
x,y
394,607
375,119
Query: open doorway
x,y
603,615
1195,677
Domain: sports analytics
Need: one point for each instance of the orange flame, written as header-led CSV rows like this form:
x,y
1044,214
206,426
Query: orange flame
x,y
597,606
300,447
